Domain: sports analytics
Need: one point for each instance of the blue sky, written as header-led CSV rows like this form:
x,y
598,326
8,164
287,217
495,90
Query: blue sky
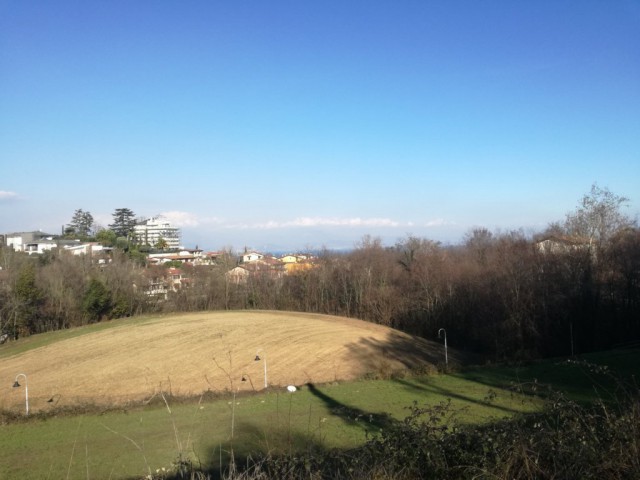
x,y
290,125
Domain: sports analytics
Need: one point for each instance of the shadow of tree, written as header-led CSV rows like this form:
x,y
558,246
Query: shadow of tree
x,y
423,386
580,380
371,422
406,351
250,447
253,442
277,440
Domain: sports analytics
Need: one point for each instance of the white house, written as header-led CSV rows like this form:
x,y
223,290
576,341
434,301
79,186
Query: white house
x,y
30,242
85,248
192,256
248,257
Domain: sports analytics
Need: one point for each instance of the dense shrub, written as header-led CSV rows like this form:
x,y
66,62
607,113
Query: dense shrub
x,y
96,302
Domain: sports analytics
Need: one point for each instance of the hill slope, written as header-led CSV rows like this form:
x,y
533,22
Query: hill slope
x,y
188,354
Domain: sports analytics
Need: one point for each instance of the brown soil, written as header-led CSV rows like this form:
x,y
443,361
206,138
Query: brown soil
x,y
191,353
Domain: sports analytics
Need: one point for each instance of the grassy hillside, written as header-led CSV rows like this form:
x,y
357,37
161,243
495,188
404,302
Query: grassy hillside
x,y
133,360
133,442
162,360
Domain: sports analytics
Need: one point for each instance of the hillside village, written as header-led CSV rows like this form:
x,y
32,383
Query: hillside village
x,y
167,270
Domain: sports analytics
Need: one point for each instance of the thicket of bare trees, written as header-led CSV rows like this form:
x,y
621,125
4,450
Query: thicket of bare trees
x,y
498,294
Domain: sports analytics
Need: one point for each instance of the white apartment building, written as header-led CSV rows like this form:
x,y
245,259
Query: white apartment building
x,y
30,242
154,229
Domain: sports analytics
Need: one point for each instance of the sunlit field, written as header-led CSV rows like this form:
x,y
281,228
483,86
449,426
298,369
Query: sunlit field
x,y
130,398
134,360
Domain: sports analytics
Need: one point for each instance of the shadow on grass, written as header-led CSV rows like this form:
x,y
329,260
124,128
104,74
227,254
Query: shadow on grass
x,y
602,376
253,443
250,447
595,376
371,422
412,353
426,387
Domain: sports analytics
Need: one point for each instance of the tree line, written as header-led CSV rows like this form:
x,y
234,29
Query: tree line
x,y
496,293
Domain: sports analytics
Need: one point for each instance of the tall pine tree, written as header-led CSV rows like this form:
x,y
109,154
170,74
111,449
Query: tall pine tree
x,y
124,220
81,224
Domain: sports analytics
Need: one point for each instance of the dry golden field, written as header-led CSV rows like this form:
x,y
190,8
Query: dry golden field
x,y
188,354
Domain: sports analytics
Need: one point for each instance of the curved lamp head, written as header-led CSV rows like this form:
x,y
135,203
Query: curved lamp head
x,y
244,379
16,384
257,359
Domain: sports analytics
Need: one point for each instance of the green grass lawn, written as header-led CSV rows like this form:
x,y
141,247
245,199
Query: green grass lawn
x,y
599,375
143,440
133,443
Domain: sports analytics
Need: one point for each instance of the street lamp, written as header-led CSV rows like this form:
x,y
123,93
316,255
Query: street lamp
x,y
446,356
245,377
257,359
26,388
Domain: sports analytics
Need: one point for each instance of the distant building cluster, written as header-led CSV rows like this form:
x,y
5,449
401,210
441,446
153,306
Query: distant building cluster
x,y
164,270
149,232
40,242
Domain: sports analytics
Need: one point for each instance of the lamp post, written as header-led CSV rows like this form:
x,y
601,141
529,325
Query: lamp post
x,y
446,356
245,377
264,360
26,389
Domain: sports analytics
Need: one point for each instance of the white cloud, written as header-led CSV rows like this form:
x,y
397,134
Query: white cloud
x,y
438,222
334,232
345,222
193,221
310,222
181,219
7,195
314,222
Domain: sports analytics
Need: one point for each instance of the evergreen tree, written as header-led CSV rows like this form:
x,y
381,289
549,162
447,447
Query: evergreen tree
x,y
28,301
81,224
124,220
97,300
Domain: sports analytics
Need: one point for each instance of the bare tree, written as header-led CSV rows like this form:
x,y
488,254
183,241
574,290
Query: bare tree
x,y
598,216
